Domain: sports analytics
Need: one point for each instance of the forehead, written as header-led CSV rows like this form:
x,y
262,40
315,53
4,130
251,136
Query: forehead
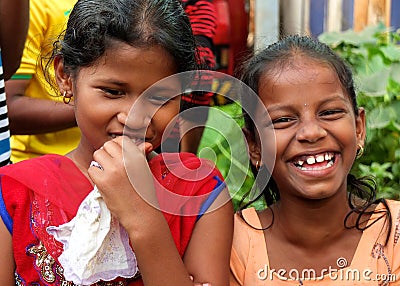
x,y
299,70
118,53
132,67
300,76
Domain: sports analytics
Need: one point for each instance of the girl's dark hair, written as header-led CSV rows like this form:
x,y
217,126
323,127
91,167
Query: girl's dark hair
x,y
362,192
94,24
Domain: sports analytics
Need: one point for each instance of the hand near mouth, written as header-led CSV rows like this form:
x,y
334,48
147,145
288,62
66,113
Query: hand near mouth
x,y
125,182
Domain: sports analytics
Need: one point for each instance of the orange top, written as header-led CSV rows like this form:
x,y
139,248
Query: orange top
x,y
372,263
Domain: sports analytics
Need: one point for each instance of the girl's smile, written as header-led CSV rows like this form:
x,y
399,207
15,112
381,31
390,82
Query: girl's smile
x,y
315,126
319,164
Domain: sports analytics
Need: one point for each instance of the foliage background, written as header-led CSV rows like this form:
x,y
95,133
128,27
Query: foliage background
x,y
374,55
223,142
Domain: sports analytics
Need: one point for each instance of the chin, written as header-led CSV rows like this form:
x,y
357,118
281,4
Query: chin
x,y
318,195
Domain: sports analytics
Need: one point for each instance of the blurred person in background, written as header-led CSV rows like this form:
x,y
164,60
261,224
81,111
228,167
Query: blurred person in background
x,y
14,21
40,122
203,19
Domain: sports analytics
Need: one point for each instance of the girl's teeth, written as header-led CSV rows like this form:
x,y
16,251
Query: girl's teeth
x,y
310,160
319,159
330,164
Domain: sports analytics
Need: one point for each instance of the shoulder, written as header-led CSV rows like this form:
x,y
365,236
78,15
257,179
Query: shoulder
x,y
24,174
247,229
392,210
384,224
248,244
391,252
184,167
247,222
17,166
41,172
394,206
178,176
35,165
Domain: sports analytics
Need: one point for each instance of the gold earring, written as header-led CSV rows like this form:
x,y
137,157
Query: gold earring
x,y
258,165
65,98
360,151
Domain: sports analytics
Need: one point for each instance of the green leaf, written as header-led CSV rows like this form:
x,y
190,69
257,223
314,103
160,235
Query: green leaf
x,y
391,52
374,84
395,72
384,116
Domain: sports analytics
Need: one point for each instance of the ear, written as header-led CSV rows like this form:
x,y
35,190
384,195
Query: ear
x,y
254,147
360,127
63,78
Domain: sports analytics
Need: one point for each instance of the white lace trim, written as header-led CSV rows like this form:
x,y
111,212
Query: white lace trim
x,y
96,247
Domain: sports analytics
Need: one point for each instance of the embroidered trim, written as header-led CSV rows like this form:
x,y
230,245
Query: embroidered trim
x,y
397,229
43,261
52,272
18,280
377,252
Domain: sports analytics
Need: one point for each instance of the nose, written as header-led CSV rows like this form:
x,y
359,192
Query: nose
x,y
137,116
310,131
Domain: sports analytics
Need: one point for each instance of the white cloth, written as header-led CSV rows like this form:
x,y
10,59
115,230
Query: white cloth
x,y
96,246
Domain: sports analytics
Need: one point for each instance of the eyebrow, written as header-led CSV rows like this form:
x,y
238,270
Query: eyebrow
x,y
166,90
337,97
330,99
112,81
152,89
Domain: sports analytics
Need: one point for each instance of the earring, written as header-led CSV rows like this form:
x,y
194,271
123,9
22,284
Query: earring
x,y
258,165
360,151
66,99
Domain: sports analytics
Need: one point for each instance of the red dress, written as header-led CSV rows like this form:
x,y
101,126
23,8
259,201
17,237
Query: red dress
x,y
48,190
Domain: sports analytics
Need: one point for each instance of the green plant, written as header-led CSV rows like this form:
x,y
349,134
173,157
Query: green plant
x,y
226,146
374,55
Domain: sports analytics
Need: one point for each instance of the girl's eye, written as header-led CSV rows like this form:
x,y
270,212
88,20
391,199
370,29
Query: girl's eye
x,y
282,122
332,113
113,92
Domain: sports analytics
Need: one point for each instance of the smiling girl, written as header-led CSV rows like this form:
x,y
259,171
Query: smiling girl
x,y
322,225
110,54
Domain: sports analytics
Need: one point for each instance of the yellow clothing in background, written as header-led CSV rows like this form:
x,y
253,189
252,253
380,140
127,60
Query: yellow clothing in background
x,y
372,262
48,19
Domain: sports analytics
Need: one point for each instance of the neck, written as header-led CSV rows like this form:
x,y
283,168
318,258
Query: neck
x,y
311,223
81,159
